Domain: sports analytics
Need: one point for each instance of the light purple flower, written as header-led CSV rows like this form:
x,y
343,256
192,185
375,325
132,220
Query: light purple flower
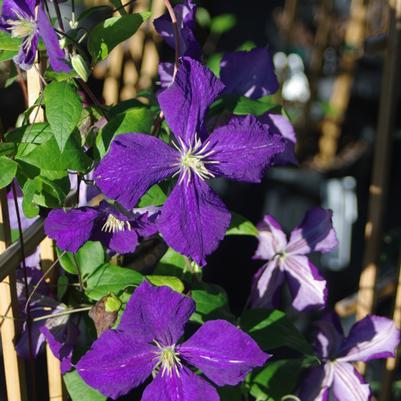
x,y
287,260
116,229
193,220
371,338
249,73
61,332
20,19
146,342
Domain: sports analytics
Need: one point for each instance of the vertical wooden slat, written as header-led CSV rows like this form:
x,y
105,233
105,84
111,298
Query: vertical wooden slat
x,y
14,366
331,127
55,381
382,157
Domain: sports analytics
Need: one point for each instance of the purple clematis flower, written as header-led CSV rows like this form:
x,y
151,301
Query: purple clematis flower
x,y
288,260
20,18
249,73
61,332
146,342
371,338
193,220
116,229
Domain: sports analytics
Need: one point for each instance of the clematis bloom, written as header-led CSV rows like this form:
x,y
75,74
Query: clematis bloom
x,y
22,20
193,220
146,342
373,337
287,260
117,230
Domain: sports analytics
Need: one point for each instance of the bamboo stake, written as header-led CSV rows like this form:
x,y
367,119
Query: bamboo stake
x,y
14,366
55,381
382,156
331,127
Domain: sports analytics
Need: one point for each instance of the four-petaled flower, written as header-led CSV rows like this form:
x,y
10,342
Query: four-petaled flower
x,y
193,220
145,342
116,229
288,260
371,338
23,19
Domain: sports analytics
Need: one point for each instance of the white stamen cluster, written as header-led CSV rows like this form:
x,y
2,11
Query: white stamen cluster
x,y
168,359
113,225
193,160
23,27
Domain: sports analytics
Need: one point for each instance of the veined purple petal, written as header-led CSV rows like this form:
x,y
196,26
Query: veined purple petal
x,y
372,337
186,101
315,233
249,73
348,384
116,363
166,72
194,219
50,39
317,383
267,282
61,334
133,164
272,239
23,7
328,339
224,353
184,386
280,125
27,53
243,149
70,229
307,286
156,313
185,14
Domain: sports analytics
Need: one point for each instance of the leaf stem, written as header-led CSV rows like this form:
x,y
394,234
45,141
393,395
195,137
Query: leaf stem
x,y
173,17
68,311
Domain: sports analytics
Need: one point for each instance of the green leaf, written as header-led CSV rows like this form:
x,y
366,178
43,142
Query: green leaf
x,y
67,261
8,149
63,110
6,55
155,197
170,281
62,286
79,390
8,169
223,23
7,42
29,189
51,193
137,119
34,134
172,263
47,155
109,278
211,303
89,257
272,329
276,380
241,226
104,37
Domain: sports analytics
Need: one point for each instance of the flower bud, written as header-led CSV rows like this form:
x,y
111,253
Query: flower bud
x,y
80,67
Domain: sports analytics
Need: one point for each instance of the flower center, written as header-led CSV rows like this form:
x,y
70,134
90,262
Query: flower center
x,y
193,160
113,225
23,27
169,359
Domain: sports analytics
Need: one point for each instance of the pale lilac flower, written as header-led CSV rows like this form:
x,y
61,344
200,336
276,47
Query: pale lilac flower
x,y
193,220
287,260
146,342
373,337
116,229
20,18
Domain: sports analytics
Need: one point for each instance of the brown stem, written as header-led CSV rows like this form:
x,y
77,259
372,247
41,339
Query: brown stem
x,y
173,17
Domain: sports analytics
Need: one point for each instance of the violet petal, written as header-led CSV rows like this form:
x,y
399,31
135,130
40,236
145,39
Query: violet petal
x,y
316,385
194,219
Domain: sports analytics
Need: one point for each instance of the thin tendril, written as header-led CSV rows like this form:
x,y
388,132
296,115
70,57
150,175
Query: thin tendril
x,y
173,17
